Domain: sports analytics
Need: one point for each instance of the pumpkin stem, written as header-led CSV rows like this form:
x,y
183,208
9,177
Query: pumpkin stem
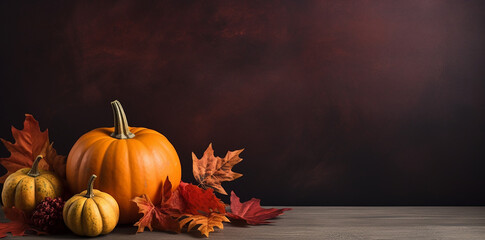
x,y
89,192
122,130
34,171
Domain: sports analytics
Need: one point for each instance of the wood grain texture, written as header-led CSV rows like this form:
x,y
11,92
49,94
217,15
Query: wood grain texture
x,y
340,223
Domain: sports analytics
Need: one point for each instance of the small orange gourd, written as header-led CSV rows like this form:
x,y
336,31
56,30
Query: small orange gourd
x,y
27,187
130,161
91,212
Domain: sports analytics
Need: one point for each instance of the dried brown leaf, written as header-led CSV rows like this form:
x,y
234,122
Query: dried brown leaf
x,y
211,171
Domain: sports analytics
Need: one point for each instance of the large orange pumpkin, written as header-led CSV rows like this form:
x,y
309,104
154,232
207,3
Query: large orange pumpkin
x,y
129,161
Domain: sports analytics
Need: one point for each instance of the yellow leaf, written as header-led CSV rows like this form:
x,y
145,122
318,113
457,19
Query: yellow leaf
x,y
206,223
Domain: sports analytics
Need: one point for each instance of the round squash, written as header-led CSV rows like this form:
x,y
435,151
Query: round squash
x,y
91,212
130,161
27,187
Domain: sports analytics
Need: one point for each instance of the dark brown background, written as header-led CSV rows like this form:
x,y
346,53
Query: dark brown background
x,y
336,102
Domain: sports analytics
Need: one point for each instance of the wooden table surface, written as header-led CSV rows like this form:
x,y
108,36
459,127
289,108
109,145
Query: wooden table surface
x,y
338,223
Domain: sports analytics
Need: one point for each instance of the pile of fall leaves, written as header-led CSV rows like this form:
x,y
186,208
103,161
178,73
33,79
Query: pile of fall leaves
x,y
188,207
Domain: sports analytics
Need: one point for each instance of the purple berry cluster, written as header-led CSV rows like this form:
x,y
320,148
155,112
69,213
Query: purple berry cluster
x,y
47,216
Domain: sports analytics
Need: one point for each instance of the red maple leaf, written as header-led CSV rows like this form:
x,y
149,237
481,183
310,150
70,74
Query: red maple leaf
x,y
251,211
162,217
172,202
200,201
18,225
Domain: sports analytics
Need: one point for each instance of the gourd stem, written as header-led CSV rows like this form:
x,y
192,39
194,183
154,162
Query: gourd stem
x,y
122,130
34,171
89,192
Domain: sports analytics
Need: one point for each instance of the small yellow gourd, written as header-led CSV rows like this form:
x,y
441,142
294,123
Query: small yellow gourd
x,y
27,187
91,212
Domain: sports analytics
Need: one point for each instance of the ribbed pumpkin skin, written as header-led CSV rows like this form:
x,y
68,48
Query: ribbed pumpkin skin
x,y
25,192
126,168
91,216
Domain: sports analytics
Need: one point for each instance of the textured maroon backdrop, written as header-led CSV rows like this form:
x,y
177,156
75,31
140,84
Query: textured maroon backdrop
x,y
336,102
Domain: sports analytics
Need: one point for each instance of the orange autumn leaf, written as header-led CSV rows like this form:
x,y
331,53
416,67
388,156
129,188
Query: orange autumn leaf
x,y
211,171
30,142
57,163
153,217
160,217
206,223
